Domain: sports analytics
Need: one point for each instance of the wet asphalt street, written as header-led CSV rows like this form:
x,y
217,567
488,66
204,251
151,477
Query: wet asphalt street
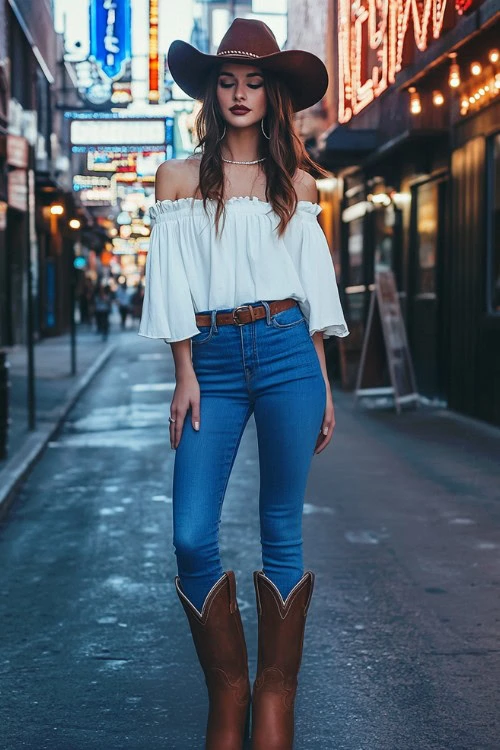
x,y
401,526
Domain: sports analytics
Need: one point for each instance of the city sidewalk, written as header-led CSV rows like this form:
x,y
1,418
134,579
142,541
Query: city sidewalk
x,y
56,390
401,527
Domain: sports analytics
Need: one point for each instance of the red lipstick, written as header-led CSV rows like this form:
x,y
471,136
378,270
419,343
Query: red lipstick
x,y
239,109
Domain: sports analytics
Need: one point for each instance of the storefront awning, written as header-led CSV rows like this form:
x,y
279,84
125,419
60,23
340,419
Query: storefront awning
x,y
345,146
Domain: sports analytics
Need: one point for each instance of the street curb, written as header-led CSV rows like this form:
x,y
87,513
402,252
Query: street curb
x,y
19,466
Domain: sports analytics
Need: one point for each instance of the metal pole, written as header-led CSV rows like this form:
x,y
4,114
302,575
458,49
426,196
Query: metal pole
x,y
72,297
4,404
29,307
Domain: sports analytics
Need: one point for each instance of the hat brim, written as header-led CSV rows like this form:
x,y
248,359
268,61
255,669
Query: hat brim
x,y
304,74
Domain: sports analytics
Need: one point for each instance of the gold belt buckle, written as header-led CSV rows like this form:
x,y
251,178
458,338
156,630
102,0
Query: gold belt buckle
x,y
241,307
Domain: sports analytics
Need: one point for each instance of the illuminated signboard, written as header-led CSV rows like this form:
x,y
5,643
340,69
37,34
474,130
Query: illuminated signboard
x,y
108,161
97,196
110,44
376,40
144,163
154,59
124,132
86,181
93,190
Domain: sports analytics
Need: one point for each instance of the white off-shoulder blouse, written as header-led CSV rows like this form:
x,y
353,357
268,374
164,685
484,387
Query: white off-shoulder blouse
x,y
190,270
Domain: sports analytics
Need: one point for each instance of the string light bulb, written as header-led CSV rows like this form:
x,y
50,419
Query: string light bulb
x,y
454,75
437,98
494,56
415,105
476,68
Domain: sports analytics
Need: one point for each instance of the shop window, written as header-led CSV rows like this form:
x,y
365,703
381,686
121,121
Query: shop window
x,y
355,249
494,225
385,220
427,238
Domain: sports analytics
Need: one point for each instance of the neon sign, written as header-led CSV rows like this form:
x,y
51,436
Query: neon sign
x,y
154,58
375,43
110,42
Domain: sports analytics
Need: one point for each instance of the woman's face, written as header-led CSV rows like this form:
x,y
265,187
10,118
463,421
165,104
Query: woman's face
x,y
241,94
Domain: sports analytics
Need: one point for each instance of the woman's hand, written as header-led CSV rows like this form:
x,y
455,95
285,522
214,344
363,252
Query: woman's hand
x,y
329,417
186,395
328,423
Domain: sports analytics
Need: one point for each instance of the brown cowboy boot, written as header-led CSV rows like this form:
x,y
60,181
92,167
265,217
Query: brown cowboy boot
x,y
281,626
220,644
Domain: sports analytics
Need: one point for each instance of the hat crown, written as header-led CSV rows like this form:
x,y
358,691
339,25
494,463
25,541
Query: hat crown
x,y
249,38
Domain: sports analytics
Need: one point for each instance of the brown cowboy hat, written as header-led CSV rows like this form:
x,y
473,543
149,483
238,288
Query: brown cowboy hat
x,y
251,42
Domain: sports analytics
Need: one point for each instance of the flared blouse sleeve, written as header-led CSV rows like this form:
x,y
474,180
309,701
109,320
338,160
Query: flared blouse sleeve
x,y
308,248
167,311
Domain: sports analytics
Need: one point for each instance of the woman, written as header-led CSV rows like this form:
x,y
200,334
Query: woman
x,y
240,282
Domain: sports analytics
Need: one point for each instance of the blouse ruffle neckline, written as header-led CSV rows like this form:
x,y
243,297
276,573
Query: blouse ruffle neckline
x,y
244,202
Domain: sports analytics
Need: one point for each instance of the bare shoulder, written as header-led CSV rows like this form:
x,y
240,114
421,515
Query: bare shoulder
x,y
305,186
177,178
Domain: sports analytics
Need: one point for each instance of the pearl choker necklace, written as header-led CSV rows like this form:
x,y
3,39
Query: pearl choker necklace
x,y
255,161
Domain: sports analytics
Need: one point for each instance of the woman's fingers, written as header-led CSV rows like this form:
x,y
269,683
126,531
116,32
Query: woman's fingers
x,y
327,427
195,415
323,438
179,424
180,415
173,425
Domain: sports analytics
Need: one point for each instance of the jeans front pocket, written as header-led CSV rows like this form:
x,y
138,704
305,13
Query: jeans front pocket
x,y
205,334
288,318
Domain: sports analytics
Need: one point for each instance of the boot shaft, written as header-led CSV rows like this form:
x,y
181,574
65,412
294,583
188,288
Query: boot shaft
x,y
282,623
217,630
281,638
220,644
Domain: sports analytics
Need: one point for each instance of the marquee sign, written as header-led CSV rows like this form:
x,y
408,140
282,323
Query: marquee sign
x,y
376,40
110,35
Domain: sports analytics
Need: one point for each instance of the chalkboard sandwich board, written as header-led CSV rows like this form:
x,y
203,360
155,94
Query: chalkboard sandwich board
x,y
386,367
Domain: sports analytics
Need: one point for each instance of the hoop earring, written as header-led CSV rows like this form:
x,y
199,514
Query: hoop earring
x,y
263,131
223,134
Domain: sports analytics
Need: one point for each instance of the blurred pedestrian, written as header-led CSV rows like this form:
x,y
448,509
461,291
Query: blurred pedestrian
x,y
123,300
85,301
102,303
137,301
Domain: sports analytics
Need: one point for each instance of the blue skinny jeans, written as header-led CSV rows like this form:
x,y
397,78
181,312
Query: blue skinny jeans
x,y
270,368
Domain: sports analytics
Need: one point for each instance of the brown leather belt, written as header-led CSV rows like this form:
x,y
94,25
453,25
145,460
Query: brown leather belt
x,y
245,313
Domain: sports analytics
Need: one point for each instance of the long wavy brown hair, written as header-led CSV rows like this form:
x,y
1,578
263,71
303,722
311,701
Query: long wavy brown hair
x,y
284,150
